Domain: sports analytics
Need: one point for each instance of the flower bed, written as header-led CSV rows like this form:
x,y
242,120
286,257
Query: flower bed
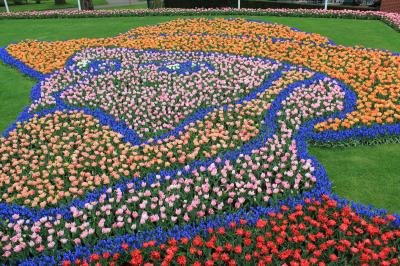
x,y
137,138
392,19
167,86
372,73
316,233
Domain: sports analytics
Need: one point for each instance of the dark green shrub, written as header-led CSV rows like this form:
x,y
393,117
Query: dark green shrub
x,y
59,2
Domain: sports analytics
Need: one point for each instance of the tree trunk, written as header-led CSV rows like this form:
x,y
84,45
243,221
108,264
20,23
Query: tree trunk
x,y
154,4
157,4
87,5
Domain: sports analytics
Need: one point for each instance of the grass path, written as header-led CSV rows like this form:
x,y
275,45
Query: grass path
x,y
370,175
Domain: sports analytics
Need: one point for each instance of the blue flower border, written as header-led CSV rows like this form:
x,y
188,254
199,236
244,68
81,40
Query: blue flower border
x,y
106,119
306,132
7,210
323,186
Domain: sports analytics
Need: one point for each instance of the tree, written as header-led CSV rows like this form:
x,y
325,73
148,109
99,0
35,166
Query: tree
x,y
154,3
87,4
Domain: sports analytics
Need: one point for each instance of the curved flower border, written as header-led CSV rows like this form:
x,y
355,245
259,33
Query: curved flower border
x,y
7,210
306,132
106,119
323,186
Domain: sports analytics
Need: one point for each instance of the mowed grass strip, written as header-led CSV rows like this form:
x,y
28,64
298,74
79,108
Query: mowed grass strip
x,y
366,174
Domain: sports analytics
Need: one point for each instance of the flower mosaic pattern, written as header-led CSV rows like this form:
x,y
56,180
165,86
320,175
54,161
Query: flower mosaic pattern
x,y
243,182
147,142
152,92
374,74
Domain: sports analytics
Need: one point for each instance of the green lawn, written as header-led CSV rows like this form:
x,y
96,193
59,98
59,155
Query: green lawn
x,y
46,5
370,175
